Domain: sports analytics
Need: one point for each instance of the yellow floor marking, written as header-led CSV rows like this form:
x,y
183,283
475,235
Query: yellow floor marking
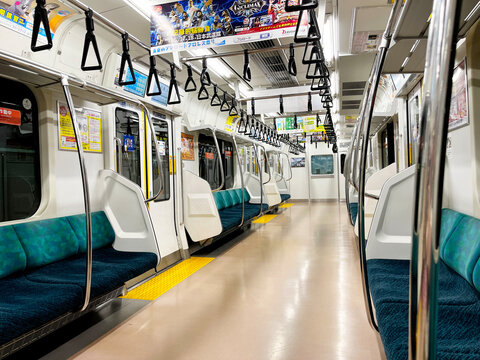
x,y
284,206
264,219
160,284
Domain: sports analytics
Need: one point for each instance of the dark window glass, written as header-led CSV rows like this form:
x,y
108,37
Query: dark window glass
x,y
127,125
20,192
161,132
342,162
209,161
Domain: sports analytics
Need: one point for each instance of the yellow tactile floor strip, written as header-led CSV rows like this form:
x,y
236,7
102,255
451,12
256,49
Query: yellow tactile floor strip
x,y
264,219
160,284
284,206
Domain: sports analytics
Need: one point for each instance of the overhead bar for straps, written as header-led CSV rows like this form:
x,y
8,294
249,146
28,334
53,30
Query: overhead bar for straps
x,y
90,39
371,96
153,75
437,86
247,73
86,195
126,60
173,88
190,83
292,66
40,17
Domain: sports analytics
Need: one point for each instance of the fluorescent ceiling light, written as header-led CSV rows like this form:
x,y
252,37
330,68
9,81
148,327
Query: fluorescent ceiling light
x,y
216,65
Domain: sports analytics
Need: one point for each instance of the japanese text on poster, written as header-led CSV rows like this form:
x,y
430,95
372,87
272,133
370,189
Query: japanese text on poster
x,y
458,105
188,147
90,125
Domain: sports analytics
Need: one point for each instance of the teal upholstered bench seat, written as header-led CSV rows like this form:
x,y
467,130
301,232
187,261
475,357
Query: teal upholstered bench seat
x,y
229,205
285,197
458,335
43,269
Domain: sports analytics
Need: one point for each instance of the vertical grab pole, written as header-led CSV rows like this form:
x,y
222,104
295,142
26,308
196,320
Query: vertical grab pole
x,y
222,174
260,178
86,196
370,103
241,170
266,165
429,179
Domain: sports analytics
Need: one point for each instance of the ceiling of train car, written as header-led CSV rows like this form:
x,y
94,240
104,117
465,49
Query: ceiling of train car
x,y
356,23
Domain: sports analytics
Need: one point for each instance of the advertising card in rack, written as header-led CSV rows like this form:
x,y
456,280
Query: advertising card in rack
x,y
193,24
305,124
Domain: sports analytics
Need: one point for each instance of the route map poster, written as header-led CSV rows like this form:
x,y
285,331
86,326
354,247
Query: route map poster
x,y
194,24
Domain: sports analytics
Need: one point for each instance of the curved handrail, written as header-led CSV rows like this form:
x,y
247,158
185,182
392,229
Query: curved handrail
x,y
267,165
222,173
118,141
289,166
86,196
157,154
260,178
241,171
441,48
367,119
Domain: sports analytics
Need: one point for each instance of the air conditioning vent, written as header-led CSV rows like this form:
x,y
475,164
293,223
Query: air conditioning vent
x,y
351,104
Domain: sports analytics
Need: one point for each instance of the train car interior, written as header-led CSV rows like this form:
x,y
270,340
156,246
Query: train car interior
x,y
240,179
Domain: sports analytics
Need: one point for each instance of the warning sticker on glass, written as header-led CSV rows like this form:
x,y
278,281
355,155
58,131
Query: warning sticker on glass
x,y
90,126
10,117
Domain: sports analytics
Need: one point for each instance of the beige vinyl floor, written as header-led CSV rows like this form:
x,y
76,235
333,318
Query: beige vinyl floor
x,y
290,289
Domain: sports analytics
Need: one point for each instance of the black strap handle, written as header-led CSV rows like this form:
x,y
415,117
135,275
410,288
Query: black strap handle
x,y
173,87
224,106
313,33
41,16
292,66
280,100
314,55
247,73
309,103
318,121
322,85
252,103
153,75
126,60
321,71
90,39
233,109
205,76
190,82
203,93
241,124
301,5
216,101
295,124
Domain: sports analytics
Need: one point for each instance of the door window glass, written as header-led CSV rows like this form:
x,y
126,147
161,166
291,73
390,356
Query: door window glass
x,y
127,131
161,133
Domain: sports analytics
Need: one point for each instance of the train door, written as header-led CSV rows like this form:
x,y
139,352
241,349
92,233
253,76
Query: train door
x,y
161,184
387,143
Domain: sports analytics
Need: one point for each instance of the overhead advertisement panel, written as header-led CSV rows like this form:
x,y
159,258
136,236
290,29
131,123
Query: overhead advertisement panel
x,y
193,24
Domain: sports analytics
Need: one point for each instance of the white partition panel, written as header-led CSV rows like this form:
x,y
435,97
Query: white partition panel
x,y
124,205
201,214
391,231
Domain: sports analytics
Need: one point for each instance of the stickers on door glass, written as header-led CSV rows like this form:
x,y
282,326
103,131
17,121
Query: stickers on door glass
x,y
89,124
10,117
128,143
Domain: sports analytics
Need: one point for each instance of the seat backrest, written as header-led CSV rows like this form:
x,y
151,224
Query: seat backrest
x,y
460,245
235,197
12,255
102,232
228,198
219,200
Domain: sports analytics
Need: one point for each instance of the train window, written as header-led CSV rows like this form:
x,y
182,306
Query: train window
x,y
161,132
127,130
209,161
387,140
342,162
228,164
20,193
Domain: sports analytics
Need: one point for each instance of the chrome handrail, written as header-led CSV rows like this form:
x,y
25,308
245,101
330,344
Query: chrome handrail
x,y
367,119
118,141
157,154
241,170
260,178
222,174
440,57
86,196
266,165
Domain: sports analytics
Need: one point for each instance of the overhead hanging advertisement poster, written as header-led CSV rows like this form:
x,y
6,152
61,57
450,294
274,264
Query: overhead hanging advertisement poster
x,y
90,126
194,24
18,16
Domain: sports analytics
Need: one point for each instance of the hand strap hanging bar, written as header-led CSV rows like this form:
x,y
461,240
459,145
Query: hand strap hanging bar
x,y
90,39
205,76
301,5
292,66
247,73
173,93
215,101
224,106
153,75
309,104
126,60
41,16
190,83
280,100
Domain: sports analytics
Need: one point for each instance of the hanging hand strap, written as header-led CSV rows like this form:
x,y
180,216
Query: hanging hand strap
x,y
247,73
153,75
190,82
205,76
292,66
173,88
90,39
40,16
126,60
216,101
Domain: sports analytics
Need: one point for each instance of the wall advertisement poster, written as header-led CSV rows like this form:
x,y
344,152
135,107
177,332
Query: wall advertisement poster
x,y
89,123
188,147
459,102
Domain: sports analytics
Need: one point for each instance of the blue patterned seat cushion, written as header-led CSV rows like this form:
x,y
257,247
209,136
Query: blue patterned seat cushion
x,y
12,255
26,305
285,197
102,231
353,212
110,270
